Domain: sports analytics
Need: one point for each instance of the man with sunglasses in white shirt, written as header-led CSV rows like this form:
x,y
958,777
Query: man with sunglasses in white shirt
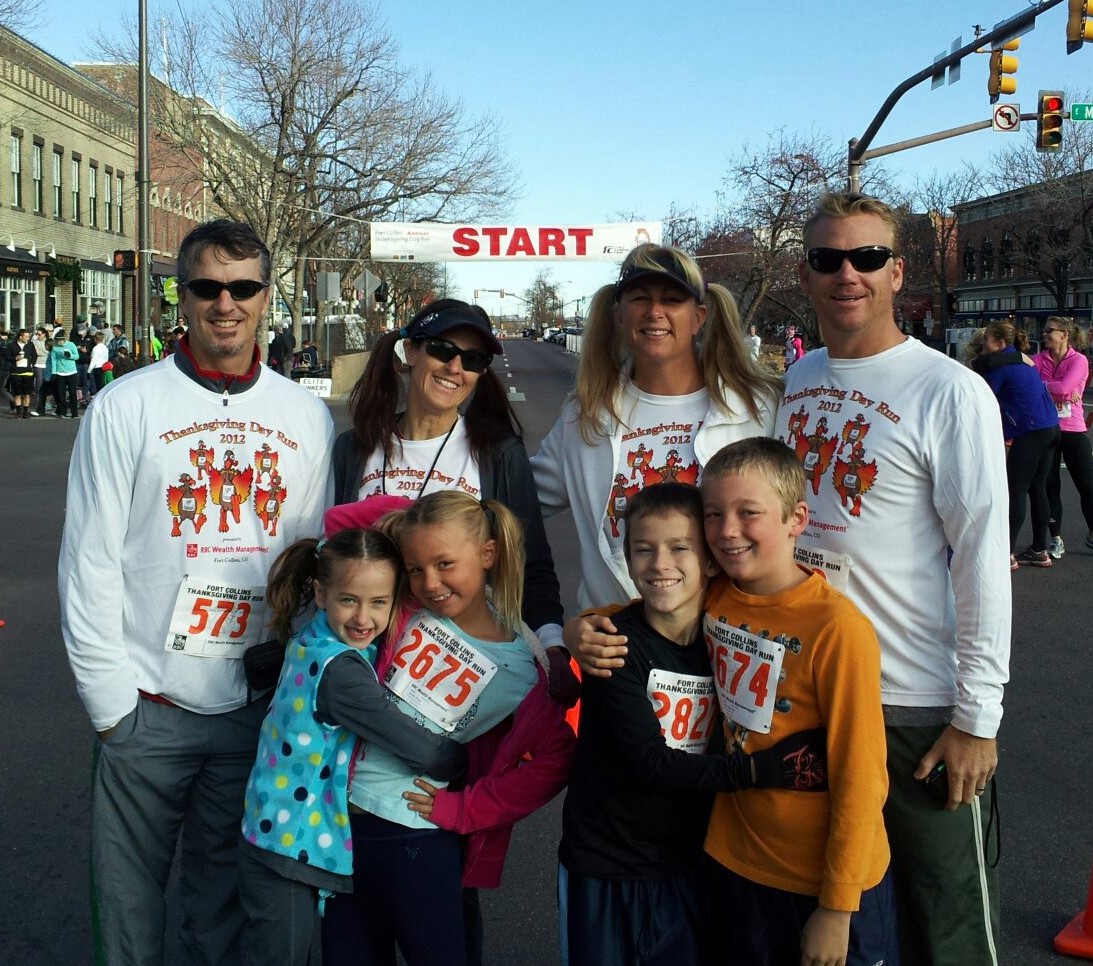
x,y
905,458
169,511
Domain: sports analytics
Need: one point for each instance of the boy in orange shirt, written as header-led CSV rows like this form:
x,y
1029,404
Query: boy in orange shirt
x,y
806,876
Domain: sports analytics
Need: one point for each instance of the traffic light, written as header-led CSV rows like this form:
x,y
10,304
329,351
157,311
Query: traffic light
x,y
1049,121
1003,67
476,295
125,261
1079,24
381,293
502,293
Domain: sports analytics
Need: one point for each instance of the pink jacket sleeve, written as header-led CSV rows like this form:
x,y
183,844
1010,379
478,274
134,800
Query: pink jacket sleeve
x,y
530,767
1067,380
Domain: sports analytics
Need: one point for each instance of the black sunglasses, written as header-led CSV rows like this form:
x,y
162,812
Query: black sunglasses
x,y
240,290
1049,331
472,360
868,258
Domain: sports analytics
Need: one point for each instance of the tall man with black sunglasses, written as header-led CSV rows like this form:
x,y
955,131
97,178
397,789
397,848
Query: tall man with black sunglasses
x,y
905,458
162,575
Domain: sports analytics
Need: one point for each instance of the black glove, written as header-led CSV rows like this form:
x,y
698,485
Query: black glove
x,y
562,684
798,762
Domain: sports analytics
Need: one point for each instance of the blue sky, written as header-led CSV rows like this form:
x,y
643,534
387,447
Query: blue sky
x,y
614,107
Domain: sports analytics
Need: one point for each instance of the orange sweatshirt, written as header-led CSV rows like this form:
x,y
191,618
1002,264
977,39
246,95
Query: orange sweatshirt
x,y
831,845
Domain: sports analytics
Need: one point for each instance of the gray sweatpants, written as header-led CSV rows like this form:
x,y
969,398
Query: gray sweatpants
x,y
166,773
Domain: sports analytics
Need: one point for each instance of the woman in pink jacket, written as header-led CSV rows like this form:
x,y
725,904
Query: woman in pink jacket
x,y
1065,372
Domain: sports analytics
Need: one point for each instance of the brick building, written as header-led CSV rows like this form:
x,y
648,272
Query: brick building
x,y
1027,254
67,201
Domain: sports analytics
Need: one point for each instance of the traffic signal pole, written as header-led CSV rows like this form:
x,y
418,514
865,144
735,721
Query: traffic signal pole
x,y
859,151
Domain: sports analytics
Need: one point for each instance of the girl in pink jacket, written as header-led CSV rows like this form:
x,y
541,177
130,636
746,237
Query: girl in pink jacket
x,y
1065,372
462,664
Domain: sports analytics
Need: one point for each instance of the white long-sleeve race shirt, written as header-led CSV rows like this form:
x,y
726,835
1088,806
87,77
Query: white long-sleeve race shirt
x,y
170,481
904,456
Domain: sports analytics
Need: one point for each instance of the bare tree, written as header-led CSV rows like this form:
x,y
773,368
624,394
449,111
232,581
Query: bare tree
x,y
753,244
541,301
1047,200
930,237
326,130
20,16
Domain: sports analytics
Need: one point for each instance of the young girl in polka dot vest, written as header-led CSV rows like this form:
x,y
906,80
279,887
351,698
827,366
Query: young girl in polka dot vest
x,y
462,664
296,847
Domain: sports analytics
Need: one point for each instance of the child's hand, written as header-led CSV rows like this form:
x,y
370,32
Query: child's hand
x,y
421,803
825,938
593,641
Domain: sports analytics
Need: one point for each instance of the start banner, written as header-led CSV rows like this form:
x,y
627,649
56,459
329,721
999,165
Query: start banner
x,y
434,242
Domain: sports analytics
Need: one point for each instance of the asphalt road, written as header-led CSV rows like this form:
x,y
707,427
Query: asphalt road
x,y
1044,784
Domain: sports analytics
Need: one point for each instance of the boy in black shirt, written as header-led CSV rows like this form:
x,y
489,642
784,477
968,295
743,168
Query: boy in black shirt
x,y
642,784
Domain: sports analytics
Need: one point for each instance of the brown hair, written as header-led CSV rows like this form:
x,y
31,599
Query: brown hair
x,y
290,588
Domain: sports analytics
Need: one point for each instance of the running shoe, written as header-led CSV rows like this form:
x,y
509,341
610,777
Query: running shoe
x,y
1033,558
1013,562
1056,548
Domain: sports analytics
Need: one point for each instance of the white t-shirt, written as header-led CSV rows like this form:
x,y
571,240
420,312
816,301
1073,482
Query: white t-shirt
x,y
447,460
657,446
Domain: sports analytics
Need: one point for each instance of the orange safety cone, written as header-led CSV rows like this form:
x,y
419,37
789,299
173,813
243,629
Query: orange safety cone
x,y
1077,938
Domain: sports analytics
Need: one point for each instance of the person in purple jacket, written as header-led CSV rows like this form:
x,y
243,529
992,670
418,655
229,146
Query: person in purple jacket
x,y
1065,371
1030,426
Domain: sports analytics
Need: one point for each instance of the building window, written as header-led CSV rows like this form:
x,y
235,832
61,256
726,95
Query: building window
x,y
1005,256
16,171
36,173
986,257
117,207
108,200
93,196
969,262
57,184
75,190
1032,252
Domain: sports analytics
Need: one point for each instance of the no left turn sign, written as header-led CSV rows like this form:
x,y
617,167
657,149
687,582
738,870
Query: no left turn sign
x,y
1006,117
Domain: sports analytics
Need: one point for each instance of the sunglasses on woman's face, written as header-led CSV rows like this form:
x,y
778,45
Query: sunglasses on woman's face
x,y
868,258
472,360
209,289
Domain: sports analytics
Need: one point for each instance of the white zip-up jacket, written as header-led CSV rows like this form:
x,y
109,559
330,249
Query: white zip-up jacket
x,y
570,473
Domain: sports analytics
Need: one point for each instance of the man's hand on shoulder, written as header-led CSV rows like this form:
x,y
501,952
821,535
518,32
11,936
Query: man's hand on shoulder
x,y
596,644
970,763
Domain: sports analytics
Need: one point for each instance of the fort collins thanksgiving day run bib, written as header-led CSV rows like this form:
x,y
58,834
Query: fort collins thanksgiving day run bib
x,y
437,674
684,706
215,620
746,670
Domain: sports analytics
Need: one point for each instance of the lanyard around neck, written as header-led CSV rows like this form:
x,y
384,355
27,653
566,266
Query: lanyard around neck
x,y
432,466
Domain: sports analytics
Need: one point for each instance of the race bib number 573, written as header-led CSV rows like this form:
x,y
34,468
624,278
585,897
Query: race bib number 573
x,y
437,674
746,670
215,620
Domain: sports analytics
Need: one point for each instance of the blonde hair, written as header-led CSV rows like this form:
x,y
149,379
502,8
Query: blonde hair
x,y
723,360
848,204
481,521
769,458
975,346
1075,337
